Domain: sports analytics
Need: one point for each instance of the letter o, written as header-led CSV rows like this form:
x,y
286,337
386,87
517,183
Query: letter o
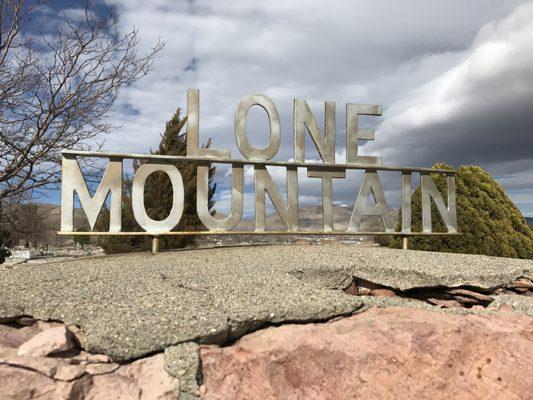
x,y
241,115
137,198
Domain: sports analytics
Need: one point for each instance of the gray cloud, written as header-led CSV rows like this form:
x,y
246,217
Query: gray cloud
x,y
477,112
453,76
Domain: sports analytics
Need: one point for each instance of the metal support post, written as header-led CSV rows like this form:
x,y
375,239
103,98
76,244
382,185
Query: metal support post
x,y
155,244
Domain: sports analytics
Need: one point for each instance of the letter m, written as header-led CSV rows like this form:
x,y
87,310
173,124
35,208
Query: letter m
x,y
73,181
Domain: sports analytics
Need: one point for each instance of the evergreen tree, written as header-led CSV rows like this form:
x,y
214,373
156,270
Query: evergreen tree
x,y
489,221
158,192
158,196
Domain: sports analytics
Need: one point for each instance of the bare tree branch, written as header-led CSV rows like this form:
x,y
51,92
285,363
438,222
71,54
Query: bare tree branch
x,y
58,94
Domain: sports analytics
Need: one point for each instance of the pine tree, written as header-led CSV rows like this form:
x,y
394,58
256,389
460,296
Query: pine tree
x,y
158,195
158,191
489,221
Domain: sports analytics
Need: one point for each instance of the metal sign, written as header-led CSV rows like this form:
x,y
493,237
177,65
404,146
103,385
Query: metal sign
x,y
327,170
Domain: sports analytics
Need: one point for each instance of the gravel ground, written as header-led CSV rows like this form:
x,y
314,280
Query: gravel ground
x,y
132,305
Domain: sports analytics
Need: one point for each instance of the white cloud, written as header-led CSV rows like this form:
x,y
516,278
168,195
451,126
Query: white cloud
x,y
470,112
452,75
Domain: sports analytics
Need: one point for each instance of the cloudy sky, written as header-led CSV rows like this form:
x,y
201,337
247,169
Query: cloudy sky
x,y
455,79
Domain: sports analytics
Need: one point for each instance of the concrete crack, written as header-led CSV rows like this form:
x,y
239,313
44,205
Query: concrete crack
x,y
464,296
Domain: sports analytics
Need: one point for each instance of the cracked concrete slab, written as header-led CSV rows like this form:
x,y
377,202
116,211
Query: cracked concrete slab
x,y
516,304
404,270
137,304
183,362
522,304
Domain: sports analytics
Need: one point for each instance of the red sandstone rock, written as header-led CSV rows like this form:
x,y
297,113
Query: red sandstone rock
x,y
47,342
27,373
470,293
382,292
13,337
523,283
352,289
362,291
466,301
18,383
55,368
145,379
444,303
26,321
10,338
53,378
393,353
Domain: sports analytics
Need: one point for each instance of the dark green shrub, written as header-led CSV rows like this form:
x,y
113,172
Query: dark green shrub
x,y
489,221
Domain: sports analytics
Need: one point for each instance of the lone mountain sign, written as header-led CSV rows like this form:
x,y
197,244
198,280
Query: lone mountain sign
x,y
326,170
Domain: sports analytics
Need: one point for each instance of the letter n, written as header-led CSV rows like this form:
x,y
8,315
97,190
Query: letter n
x,y
448,213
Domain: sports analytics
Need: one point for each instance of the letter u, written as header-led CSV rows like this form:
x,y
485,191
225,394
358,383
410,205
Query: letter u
x,y
202,196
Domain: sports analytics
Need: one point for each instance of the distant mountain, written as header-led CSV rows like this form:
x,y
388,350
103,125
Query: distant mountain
x,y
529,221
47,221
311,219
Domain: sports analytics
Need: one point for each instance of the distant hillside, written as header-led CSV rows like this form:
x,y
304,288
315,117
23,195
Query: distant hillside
x,y
311,219
49,216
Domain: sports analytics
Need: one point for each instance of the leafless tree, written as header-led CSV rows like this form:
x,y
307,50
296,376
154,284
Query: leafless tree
x,y
57,90
31,224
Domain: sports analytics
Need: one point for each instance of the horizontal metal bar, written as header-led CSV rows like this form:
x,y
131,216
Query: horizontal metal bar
x,y
254,233
314,165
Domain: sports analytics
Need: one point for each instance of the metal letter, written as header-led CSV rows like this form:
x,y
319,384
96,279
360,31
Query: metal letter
x,y
264,183
202,195
406,202
241,114
73,182
193,127
327,194
371,184
303,117
137,198
353,134
448,214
